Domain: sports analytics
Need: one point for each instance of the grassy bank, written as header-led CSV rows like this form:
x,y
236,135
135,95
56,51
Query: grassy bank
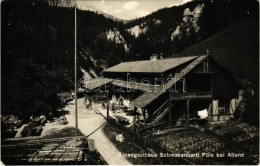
x,y
64,132
128,146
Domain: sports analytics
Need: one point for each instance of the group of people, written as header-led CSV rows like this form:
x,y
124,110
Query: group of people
x,y
141,114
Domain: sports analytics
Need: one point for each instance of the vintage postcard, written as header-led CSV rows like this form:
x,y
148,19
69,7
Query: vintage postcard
x,y
129,82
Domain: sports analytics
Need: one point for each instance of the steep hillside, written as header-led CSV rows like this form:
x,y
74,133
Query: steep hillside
x,y
45,32
237,49
39,36
171,30
83,5
37,51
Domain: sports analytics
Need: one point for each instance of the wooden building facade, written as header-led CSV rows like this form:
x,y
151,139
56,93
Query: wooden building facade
x,y
177,88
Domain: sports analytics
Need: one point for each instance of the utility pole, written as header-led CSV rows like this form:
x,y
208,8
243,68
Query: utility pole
x,y
107,112
75,74
170,110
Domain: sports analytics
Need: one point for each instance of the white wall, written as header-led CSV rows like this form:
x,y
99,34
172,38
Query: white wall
x,y
233,105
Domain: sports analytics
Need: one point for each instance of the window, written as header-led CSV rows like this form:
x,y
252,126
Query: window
x,y
223,106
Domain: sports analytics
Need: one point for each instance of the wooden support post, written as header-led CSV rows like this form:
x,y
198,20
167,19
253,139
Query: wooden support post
x,y
134,123
134,127
170,110
211,111
107,112
218,109
75,70
145,118
188,114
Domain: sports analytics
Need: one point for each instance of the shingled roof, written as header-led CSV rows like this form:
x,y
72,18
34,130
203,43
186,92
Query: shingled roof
x,y
146,98
150,66
134,85
97,82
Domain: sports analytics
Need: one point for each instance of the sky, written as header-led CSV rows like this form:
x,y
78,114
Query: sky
x,y
131,9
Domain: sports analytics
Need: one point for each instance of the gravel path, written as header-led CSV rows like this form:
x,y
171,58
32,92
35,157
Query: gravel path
x,y
88,121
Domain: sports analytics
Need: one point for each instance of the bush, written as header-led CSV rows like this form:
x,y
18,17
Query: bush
x,y
65,132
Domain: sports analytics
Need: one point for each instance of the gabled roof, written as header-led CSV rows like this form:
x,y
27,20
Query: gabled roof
x,y
146,98
133,85
97,82
150,66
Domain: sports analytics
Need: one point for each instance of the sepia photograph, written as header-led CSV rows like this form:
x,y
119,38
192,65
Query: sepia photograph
x,y
129,82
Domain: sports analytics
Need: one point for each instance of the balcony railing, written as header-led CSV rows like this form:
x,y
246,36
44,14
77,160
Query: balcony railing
x,y
191,94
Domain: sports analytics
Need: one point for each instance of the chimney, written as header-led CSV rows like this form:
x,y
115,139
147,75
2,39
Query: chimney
x,y
153,57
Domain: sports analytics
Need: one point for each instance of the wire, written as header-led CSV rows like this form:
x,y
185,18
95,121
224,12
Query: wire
x,y
96,129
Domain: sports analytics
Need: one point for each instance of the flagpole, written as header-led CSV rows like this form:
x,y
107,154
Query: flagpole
x,y
75,81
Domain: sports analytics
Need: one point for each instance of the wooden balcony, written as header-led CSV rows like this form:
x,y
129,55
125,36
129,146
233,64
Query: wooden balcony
x,y
191,94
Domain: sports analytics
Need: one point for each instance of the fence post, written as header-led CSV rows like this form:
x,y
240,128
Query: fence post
x,y
170,110
188,114
107,112
134,128
180,146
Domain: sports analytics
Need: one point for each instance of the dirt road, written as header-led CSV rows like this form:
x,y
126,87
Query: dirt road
x,y
88,121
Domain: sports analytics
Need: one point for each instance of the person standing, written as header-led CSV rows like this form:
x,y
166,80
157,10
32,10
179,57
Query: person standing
x,y
121,100
103,105
146,114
